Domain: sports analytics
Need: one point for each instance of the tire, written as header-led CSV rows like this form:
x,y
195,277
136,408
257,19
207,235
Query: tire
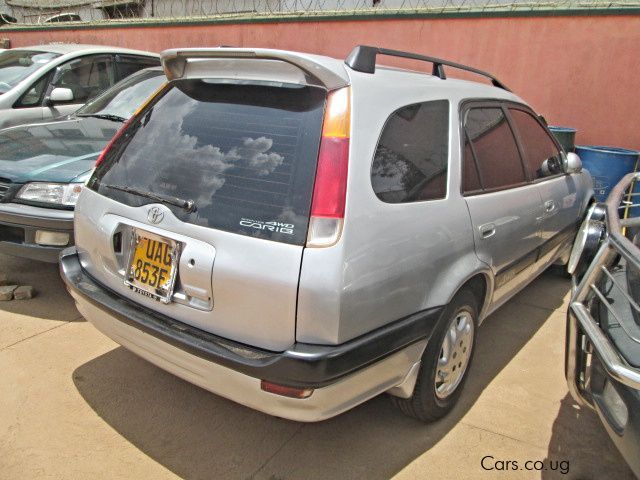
x,y
426,404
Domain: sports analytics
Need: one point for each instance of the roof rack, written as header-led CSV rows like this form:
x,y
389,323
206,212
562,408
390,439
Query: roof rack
x,y
363,59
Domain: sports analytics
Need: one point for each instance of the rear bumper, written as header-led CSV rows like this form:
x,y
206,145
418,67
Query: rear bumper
x,y
18,226
342,376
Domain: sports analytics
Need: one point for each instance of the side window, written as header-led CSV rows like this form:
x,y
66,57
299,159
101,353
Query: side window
x,y
127,65
33,96
412,157
537,145
490,142
86,77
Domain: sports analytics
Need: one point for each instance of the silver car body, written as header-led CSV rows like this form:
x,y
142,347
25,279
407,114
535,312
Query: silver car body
x,y
392,261
10,116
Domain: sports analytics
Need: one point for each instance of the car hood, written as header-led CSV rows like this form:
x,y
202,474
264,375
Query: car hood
x,y
58,151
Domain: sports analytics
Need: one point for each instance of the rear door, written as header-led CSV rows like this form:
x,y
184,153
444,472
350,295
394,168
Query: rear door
x,y
558,190
245,155
505,209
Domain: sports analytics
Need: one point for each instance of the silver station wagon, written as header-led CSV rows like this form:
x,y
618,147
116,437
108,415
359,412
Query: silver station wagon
x,y
299,233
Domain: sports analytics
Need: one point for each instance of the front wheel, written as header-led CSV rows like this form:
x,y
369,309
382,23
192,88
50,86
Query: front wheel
x,y
445,361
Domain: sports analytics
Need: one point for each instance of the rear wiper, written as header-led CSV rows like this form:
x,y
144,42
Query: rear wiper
x,y
187,205
105,116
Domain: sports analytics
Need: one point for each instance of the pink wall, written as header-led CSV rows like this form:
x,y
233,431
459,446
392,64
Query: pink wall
x,y
580,71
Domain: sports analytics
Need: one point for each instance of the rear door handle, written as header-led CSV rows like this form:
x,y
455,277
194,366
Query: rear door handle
x,y
549,206
487,230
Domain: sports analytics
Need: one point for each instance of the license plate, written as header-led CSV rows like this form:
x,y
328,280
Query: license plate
x,y
153,265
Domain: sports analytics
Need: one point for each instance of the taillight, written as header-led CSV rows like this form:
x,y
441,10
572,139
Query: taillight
x,y
330,189
112,141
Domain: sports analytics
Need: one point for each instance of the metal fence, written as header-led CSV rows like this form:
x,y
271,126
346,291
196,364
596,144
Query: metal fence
x,y
91,11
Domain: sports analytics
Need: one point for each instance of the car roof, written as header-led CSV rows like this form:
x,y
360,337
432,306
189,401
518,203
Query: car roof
x,y
386,74
383,76
469,88
70,48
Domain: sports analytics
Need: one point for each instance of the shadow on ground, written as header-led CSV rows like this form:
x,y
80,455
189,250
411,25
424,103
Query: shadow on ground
x,y
572,436
52,302
199,435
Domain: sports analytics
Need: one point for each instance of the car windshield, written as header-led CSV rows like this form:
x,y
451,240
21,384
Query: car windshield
x,y
16,65
121,101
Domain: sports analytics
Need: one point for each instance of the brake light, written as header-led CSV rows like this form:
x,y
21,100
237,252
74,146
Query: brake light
x,y
330,189
112,141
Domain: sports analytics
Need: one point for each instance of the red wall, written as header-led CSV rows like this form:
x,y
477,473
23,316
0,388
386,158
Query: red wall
x,y
579,71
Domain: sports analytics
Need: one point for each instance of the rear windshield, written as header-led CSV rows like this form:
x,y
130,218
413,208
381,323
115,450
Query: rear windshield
x,y
245,154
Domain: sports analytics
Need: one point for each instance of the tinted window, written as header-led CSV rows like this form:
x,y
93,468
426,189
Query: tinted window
x,y
245,154
127,65
494,147
86,77
411,160
537,145
16,65
123,99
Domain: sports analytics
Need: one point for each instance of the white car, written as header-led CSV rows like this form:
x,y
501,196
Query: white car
x,y
46,81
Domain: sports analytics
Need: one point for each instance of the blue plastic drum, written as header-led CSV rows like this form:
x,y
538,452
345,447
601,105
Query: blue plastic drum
x,y
566,136
607,166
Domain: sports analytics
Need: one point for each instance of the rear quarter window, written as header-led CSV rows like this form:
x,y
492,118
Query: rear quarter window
x,y
412,156
246,155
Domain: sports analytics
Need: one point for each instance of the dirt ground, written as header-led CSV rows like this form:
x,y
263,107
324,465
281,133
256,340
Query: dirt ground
x,y
75,405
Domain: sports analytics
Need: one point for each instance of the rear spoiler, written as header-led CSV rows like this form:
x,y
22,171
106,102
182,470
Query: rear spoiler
x,y
244,63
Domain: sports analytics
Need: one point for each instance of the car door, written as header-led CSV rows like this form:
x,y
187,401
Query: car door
x,y
28,108
86,77
558,190
505,208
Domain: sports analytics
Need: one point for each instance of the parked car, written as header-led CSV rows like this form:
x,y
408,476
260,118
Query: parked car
x,y
47,81
63,17
43,167
6,19
603,322
299,233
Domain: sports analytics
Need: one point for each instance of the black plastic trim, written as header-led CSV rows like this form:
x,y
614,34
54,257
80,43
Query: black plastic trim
x,y
49,223
565,236
363,59
302,365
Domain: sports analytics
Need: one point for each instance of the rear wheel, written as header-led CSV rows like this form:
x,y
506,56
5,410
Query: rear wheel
x,y
445,362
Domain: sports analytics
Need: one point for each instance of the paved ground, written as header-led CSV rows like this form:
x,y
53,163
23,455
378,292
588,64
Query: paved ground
x,y
75,405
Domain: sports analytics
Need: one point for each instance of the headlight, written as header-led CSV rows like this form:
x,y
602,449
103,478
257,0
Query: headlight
x,y
64,194
587,240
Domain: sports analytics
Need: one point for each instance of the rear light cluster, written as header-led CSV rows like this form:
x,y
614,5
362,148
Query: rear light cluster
x,y
329,192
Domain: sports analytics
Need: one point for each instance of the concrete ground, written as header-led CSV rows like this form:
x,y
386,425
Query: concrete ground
x,y
74,405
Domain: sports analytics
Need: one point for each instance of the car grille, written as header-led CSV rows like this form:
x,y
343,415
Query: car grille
x,y
4,188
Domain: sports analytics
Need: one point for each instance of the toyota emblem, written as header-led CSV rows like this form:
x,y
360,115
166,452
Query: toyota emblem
x,y
155,215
